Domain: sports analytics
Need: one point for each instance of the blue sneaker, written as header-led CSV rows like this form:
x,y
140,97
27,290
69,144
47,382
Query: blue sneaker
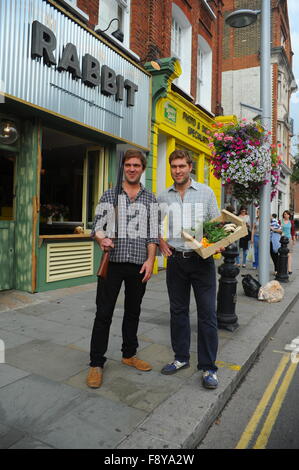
x,y
209,379
174,367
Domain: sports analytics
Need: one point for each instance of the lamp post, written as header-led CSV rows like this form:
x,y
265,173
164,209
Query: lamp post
x,y
240,19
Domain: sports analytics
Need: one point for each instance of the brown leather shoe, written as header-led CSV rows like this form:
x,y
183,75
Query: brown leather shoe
x,y
137,363
94,377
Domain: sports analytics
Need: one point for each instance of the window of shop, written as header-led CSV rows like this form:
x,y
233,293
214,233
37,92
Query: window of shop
x,y
7,165
204,74
181,38
120,9
207,172
74,174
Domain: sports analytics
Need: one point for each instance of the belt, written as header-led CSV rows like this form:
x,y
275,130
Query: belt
x,y
183,254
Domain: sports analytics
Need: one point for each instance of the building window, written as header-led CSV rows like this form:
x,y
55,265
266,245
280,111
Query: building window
x,y
72,6
120,9
181,38
207,171
279,88
176,38
204,74
74,175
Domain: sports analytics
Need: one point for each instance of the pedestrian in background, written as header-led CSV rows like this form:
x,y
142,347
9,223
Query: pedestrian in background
x,y
255,235
185,268
244,241
288,230
275,234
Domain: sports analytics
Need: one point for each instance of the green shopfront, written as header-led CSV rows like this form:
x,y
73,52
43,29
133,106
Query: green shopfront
x,y
69,104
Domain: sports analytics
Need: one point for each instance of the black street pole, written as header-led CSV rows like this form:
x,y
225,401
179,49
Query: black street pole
x,y
227,291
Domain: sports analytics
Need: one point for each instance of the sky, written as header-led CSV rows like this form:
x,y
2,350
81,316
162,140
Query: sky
x,y
293,9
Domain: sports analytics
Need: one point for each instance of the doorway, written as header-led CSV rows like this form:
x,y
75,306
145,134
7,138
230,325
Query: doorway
x,y
7,218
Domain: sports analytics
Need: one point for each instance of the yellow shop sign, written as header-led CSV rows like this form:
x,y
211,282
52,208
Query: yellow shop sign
x,y
185,123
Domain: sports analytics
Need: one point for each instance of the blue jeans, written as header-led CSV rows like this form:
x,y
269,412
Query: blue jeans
x,y
180,276
256,251
244,256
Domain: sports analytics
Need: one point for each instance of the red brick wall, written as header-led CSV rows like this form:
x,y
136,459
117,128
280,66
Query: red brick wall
x,y
151,26
91,7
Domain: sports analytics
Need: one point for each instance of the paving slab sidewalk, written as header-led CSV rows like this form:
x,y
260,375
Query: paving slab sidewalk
x,y
44,402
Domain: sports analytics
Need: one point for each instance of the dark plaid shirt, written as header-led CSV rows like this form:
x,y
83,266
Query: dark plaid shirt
x,y
137,224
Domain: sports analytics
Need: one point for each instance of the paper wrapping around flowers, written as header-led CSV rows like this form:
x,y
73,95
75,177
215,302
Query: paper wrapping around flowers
x,y
240,232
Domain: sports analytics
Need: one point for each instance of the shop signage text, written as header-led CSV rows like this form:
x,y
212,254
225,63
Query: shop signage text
x,y
91,73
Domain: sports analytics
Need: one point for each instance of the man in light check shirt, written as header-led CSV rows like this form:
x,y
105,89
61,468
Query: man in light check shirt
x,y
185,268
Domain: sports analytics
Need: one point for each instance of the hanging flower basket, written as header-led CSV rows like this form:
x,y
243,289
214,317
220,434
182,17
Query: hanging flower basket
x,y
242,157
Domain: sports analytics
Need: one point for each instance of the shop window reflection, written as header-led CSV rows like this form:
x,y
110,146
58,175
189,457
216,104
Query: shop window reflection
x,y
69,183
7,161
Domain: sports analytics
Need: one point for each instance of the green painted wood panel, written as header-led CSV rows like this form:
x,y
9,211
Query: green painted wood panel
x,y
26,190
6,254
43,285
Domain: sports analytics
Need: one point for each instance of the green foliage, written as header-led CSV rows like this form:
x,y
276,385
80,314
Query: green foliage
x,y
214,231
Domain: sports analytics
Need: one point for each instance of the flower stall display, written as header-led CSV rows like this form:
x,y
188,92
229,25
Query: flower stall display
x,y
243,157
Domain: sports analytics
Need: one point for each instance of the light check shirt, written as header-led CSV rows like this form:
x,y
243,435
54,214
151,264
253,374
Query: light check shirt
x,y
199,205
137,224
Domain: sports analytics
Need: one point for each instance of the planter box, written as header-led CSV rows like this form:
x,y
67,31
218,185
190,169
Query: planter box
x,y
225,216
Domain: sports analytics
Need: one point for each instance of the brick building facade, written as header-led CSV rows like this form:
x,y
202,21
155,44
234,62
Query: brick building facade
x,y
241,81
150,31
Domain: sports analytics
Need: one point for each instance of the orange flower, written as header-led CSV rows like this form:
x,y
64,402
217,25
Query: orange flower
x,y
205,242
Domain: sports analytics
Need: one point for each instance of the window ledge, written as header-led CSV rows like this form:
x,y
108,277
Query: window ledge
x,y
75,10
183,92
206,110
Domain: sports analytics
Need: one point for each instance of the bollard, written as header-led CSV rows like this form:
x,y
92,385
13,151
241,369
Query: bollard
x,y
227,291
282,263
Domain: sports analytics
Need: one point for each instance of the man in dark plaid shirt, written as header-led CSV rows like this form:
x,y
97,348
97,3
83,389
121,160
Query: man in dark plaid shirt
x,y
132,255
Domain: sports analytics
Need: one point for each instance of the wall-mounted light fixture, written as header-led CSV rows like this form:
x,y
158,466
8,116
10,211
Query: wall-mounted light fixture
x,y
8,132
118,34
242,18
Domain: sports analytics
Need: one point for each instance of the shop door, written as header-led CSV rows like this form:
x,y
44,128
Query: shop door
x,y
7,222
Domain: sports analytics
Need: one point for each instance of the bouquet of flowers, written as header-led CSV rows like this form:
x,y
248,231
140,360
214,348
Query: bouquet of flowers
x,y
242,157
50,212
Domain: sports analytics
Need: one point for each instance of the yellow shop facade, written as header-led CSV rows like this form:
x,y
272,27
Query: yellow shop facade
x,y
178,124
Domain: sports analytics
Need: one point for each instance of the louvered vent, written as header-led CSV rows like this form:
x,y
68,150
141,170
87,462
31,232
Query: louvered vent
x,y
69,260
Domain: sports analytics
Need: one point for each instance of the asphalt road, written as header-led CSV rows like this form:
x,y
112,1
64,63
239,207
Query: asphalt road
x,y
264,411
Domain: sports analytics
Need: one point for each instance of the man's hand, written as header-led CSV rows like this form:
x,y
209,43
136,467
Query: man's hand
x,y
220,250
165,248
147,268
105,243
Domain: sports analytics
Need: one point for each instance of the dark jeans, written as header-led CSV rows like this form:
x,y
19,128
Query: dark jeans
x,y
200,274
107,293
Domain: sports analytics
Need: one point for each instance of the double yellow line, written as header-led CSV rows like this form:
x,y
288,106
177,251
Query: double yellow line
x,y
264,435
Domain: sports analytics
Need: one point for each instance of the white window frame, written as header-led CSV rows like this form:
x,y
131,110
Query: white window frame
x,y
204,74
71,5
125,5
209,8
184,52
